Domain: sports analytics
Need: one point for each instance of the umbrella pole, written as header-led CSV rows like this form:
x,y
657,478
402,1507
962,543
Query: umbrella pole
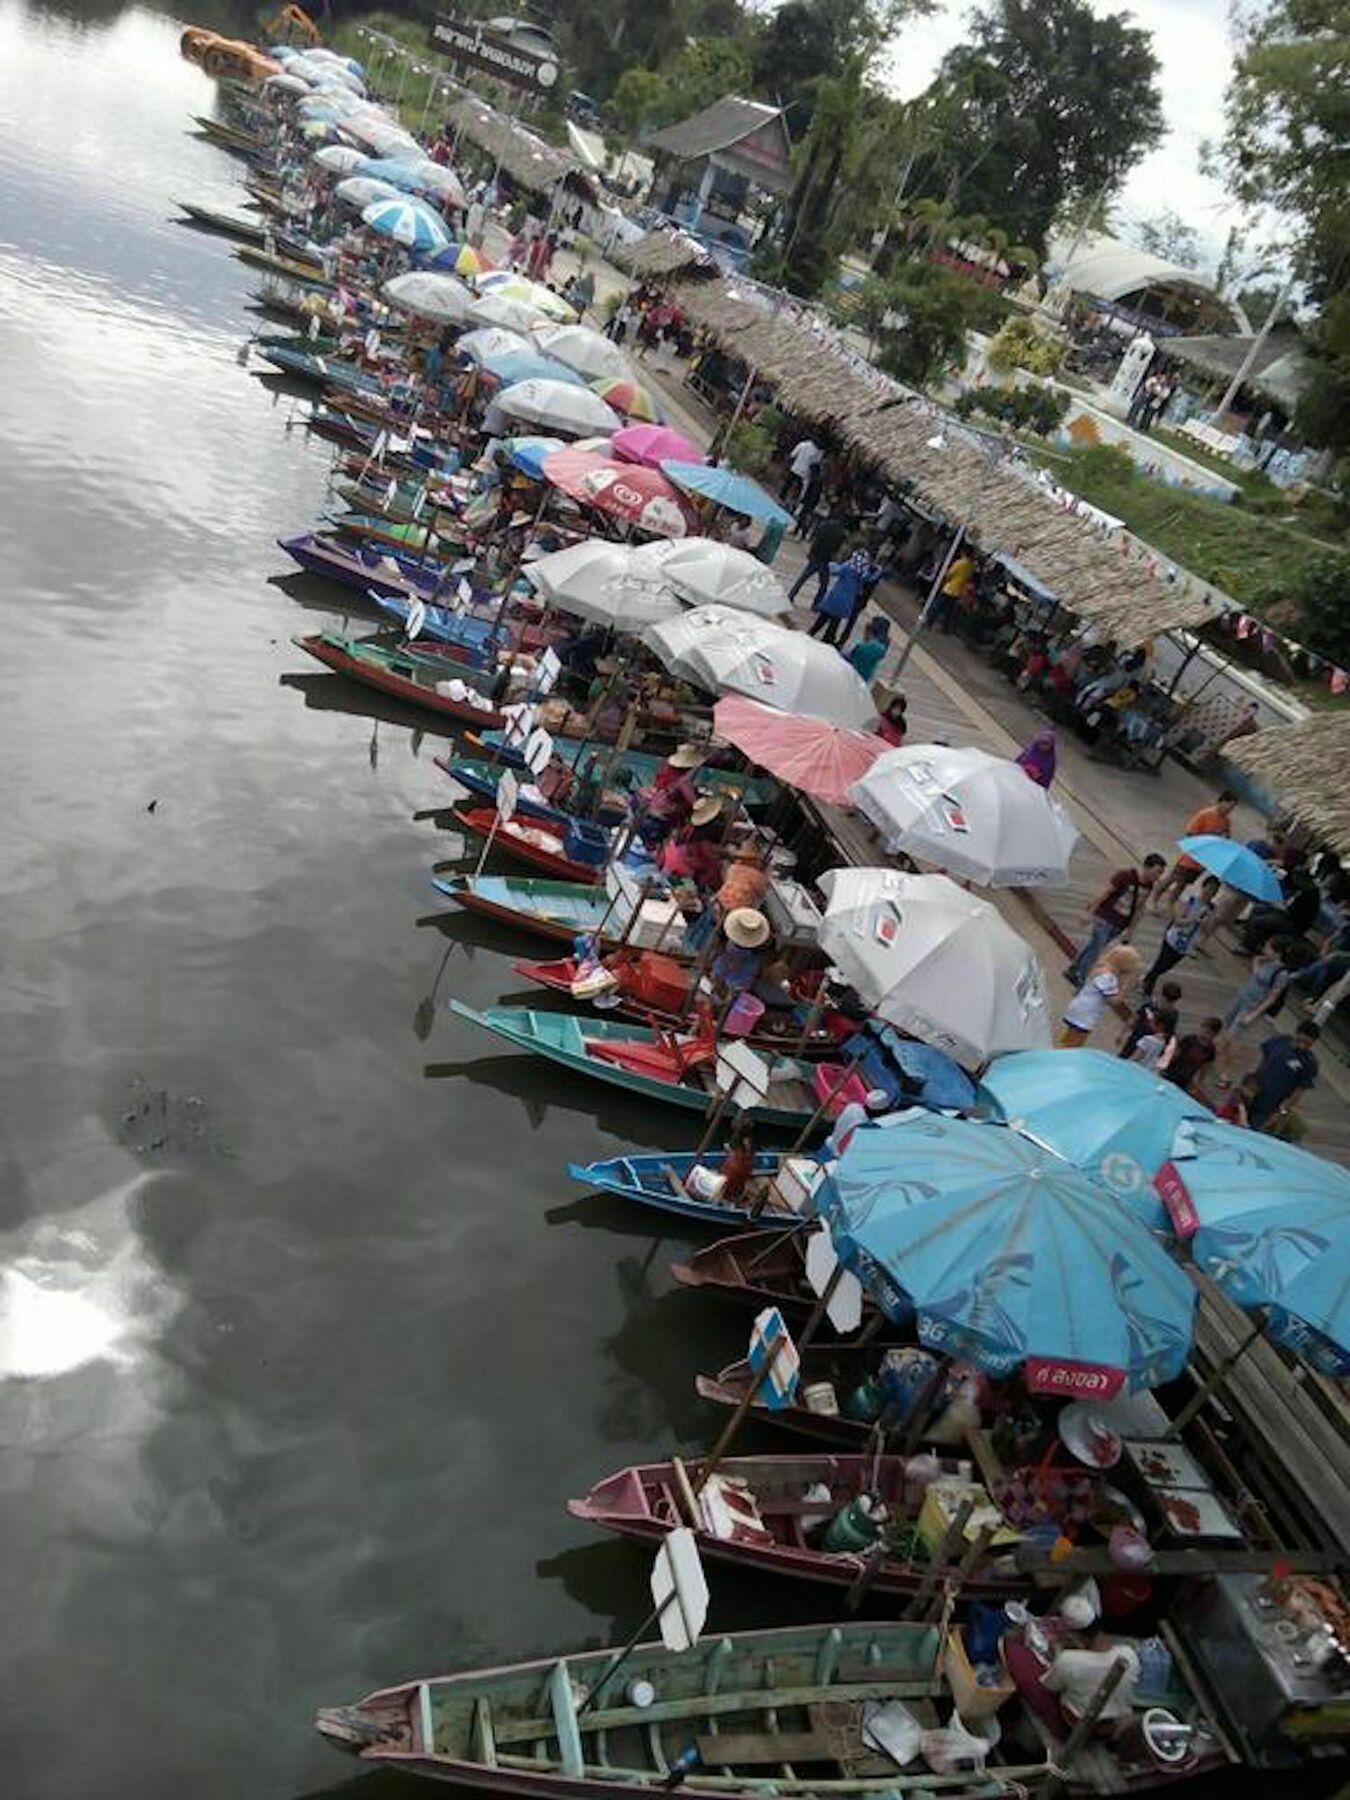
x,y
1211,1387
491,838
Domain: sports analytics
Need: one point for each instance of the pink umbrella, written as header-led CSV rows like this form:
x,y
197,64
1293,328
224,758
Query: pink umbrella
x,y
821,759
641,497
655,444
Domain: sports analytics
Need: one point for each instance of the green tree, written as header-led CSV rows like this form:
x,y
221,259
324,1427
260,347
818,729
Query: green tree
x,y
1048,103
1170,237
1287,146
811,233
698,73
925,313
806,41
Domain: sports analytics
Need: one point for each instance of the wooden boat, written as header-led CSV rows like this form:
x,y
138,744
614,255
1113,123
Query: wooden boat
x,y
843,1367
655,988
372,495
483,778
763,1268
656,1064
769,1513
756,1704
659,1181
368,570
642,767
248,231
412,676
532,841
230,137
548,909
324,371
295,266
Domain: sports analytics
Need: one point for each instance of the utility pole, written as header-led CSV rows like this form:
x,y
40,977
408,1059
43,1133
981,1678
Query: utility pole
x,y
1257,343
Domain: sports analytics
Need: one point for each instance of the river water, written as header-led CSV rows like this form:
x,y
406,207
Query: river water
x,y
305,1338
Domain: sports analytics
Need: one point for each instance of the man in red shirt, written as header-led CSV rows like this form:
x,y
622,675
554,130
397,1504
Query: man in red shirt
x,y
1210,821
1113,912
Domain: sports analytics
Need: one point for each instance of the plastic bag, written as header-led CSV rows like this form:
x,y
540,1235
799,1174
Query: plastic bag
x,y
953,1748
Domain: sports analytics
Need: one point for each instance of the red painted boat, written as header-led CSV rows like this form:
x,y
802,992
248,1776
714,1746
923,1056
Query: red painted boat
x,y
419,677
774,1513
529,840
654,988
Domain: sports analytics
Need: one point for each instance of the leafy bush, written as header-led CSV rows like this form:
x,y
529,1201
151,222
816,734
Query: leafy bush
x,y
1038,410
750,445
1021,344
1320,590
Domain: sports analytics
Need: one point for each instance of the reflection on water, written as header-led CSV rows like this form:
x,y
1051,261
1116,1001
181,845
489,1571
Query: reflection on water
x,y
298,1373
80,1290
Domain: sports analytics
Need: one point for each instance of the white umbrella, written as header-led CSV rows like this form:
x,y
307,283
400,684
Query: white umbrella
x,y
430,296
586,351
434,178
976,815
732,652
705,572
393,140
341,159
935,961
557,406
361,191
596,580
508,314
491,341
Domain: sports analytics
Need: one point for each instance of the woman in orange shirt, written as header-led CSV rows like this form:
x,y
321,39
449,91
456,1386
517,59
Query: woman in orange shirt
x,y
1210,821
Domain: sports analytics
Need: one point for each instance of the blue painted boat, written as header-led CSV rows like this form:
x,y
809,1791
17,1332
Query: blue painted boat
x,y
481,777
372,571
558,910
659,1180
641,765
326,371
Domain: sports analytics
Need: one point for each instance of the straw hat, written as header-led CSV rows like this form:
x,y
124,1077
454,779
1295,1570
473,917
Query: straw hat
x,y
706,809
747,927
685,756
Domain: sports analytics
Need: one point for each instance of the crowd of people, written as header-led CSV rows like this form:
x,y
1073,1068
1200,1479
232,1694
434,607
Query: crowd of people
x,y
1300,947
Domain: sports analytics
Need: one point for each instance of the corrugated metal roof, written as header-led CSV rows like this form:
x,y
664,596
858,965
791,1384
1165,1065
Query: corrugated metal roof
x,y
717,127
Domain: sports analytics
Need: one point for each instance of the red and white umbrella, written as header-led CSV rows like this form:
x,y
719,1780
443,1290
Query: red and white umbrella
x,y
626,491
820,758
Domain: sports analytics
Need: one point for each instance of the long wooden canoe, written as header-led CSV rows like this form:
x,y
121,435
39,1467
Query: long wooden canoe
x,y
642,766
657,1065
530,840
557,910
780,1030
417,678
659,1180
235,225
769,1512
844,1367
760,1268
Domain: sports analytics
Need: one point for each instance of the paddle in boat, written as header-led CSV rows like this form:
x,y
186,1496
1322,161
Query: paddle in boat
x,y
436,683
573,852
810,1516
685,1182
662,1065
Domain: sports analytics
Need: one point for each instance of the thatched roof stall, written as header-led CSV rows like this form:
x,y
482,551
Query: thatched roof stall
x,y
528,160
914,445
665,254
1307,768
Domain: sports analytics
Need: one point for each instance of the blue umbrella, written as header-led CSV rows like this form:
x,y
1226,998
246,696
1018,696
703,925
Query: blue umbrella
x,y
389,168
527,453
1008,1256
408,222
727,488
528,365
1112,1119
1234,864
1270,1223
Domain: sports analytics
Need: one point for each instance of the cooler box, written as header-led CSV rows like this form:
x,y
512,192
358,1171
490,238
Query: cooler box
x,y
792,912
657,981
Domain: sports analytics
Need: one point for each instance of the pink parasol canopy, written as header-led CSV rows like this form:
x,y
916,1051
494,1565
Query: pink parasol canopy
x,y
626,491
655,444
821,759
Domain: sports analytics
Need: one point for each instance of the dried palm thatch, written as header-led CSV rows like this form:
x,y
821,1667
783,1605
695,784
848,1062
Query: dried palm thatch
x,y
914,446
527,159
665,253
1308,767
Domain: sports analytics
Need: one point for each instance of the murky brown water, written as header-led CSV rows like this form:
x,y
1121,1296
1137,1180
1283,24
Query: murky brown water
x,y
304,1336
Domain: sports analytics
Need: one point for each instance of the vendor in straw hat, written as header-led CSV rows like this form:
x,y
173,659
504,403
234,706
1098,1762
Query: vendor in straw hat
x,y
691,852
735,968
746,881
670,800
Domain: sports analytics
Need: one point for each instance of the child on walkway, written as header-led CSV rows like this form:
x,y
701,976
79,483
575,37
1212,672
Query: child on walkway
x,y
1190,1063
1116,969
1154,1016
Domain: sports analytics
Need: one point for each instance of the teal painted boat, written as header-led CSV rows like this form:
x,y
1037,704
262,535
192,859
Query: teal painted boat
x,y
767,1712
642,767
672,1068
557,910
660,1180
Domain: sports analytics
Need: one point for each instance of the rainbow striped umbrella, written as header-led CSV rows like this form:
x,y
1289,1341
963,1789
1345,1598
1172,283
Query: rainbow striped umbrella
x,y
628,397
